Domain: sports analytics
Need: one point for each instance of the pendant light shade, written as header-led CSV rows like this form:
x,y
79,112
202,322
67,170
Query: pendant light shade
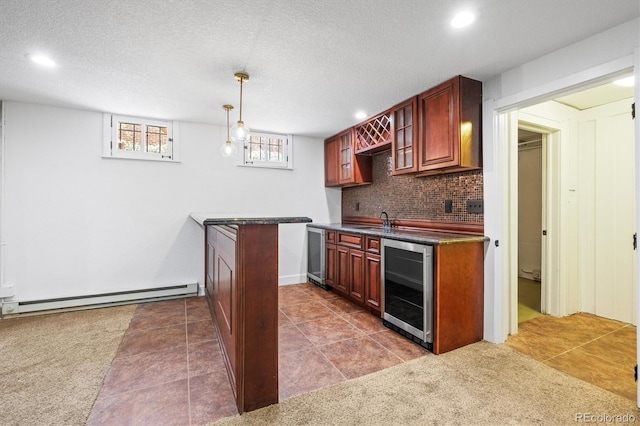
x,y
228,148
240,132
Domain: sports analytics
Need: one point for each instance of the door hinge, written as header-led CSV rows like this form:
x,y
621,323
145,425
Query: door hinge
x,y
635,241
544,232
633,110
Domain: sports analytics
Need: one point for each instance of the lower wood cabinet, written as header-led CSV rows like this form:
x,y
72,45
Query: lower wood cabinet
x,y
352,271
331,267
356,275
343,284
458,295
241,270
373,281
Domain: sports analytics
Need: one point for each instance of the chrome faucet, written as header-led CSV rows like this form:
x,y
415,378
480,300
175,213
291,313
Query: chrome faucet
x,y
386,223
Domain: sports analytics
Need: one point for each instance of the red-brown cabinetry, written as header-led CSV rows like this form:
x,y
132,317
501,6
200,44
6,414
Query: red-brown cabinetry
x,y
450,127
374,135
342,166
241,270
404,151
356,274
331,162
438,131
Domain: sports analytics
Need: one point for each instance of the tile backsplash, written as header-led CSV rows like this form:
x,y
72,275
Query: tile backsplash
x,y
408,197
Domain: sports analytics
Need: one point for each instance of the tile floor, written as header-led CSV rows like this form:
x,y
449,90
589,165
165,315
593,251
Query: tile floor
x,y
594,349
529,293
169,368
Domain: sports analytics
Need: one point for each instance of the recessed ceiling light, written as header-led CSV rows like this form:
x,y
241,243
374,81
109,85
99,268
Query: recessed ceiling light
x,y
42,60
463,19
626,82
360,115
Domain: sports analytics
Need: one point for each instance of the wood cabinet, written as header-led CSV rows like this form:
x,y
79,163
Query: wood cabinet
x,y
356,275
357,268
331,162
373,281
404,151
458,294
331,265
458,284
343,283
450,127
241,270
436,132
374,135
342,166
350,264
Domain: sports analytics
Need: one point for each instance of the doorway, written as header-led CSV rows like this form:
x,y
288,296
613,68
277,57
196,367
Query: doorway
x,y
530,220
585,265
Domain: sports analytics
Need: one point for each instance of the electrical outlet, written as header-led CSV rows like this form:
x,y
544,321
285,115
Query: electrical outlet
x,y
448,206
475,206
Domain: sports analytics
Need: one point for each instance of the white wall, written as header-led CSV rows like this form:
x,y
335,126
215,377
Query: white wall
x,y
78,224
575,65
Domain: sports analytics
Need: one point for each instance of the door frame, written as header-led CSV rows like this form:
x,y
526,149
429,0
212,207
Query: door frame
x,y
552,292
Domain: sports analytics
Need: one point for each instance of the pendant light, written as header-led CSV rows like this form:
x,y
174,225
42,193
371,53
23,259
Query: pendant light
x,y
240,132
228,149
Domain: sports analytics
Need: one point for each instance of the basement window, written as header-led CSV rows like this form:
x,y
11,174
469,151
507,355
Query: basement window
x,y
268,150
138,138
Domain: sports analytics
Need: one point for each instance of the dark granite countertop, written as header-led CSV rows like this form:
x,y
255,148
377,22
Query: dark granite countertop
x,y
244,219
420,236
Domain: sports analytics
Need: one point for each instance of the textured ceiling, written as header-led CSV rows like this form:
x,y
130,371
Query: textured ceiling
x,y
312,64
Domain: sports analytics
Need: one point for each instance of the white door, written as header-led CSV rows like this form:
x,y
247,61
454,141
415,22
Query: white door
x,y
608,271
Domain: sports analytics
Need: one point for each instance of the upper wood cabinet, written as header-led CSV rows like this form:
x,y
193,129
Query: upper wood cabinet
x,y
374,135
404,129
342,166
450,127
331,162
436,132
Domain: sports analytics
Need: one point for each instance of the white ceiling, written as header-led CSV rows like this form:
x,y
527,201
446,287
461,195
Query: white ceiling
x,y
596,96
312,63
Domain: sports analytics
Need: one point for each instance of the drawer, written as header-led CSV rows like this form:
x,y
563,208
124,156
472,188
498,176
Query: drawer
x,y
372,244
331,237
351,240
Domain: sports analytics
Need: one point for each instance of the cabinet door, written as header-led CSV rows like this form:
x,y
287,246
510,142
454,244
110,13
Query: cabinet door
x,y
345,157
210,269
405,137
226,295
330,265
373,282
342,283
356,275
331,162
438,131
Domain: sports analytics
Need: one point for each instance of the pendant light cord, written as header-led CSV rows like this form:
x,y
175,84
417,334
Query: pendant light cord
x,y
241,80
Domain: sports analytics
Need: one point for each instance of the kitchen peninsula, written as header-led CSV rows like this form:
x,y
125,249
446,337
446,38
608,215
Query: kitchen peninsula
x,y
241,287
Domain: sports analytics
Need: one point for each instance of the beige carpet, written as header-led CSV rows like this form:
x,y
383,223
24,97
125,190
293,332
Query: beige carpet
x,y
480,384
52,366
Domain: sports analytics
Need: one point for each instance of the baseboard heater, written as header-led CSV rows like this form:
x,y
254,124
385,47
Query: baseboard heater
x,y
101,300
